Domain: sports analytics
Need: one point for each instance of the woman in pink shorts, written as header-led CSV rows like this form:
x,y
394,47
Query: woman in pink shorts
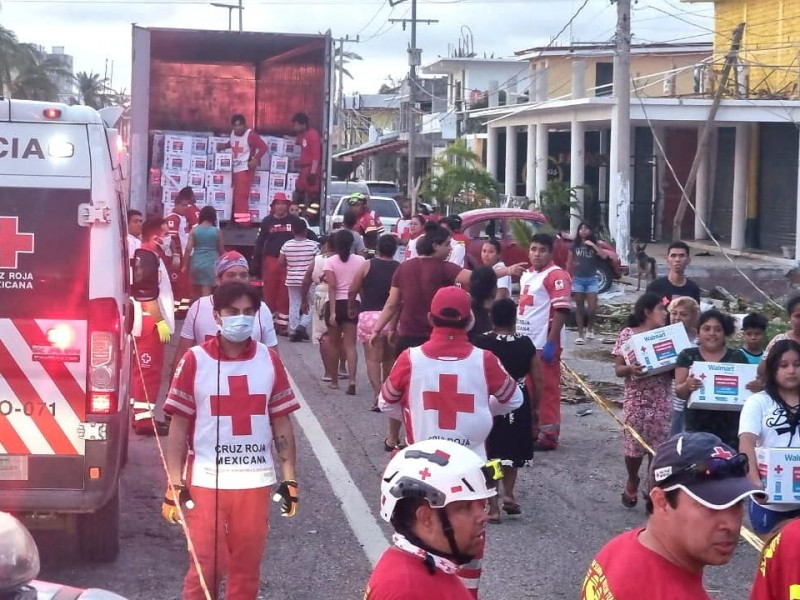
x,y
372,282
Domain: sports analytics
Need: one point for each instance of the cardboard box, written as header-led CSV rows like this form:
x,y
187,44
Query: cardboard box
x,y
656,350
215,141
260,180
779,469
200,146
275,145
177,144
200,196
200,163
168,197
723,385
257,196
219,181
174,180
291,182
219,198
291,148
196,179
177,162
279,164
223,161
277,182
294,164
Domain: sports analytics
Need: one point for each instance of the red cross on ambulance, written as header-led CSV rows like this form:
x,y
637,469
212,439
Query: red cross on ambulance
x,y
13,243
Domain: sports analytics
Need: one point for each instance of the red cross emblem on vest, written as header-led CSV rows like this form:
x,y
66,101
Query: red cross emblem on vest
x,y
237,149
12,242
448,401
525,300
239,404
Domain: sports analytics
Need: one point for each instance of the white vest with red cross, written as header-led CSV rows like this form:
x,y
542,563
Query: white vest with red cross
x,y
535,311
232,407
448,399
240,148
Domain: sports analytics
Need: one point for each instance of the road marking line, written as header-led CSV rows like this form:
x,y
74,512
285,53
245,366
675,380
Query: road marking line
x,y
363,524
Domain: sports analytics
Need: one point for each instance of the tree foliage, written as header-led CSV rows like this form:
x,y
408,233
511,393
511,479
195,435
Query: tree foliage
x,y
459,178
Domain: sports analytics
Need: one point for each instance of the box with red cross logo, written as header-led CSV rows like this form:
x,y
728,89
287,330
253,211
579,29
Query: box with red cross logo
x,y
656,350
724,385
779,469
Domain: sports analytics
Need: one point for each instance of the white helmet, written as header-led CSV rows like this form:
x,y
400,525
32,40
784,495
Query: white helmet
x,y
438,471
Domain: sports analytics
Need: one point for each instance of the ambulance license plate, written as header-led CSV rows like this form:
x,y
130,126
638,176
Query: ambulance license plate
x,y
93,432
13,468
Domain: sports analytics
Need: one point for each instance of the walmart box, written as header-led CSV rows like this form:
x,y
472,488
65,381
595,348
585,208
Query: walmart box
x,y
656,350
779,469
723,385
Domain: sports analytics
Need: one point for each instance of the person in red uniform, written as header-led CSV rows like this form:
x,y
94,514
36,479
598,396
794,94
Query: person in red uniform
x,y
544,304
153,325
230,402
276,230
434,494
308,181
248,149
778,574
180,226
368,223
447,389
695,509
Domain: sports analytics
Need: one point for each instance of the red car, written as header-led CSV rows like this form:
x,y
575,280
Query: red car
x,y
482,224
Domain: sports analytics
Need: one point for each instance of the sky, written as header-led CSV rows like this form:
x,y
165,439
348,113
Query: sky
x,y
97,33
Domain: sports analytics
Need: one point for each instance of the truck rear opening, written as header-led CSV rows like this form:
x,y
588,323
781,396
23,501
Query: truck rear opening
x,y
192,82
62,270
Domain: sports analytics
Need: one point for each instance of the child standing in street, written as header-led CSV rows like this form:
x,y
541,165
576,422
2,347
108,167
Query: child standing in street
x,y
754,330
295,256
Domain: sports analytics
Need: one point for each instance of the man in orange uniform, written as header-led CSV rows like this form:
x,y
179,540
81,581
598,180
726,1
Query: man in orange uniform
x,y
308,182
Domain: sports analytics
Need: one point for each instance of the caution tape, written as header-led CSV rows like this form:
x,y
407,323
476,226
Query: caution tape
x,y
746,534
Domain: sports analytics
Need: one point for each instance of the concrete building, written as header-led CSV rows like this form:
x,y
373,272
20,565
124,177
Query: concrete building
x,y
65,83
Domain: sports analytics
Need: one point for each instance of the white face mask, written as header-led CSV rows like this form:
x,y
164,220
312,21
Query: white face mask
x,y
237,328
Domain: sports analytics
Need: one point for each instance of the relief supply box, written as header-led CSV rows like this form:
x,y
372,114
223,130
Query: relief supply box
x,y
223,161
177,162
656,350
215,142
200,163
723,385
279,164
177,144
779,469
219,181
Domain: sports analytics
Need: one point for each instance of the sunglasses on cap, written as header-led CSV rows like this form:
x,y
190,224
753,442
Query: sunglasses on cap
x,y
708,470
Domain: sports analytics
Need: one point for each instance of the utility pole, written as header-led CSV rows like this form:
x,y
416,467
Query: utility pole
x,y
231,8
705,134
619,213
414,61
340,80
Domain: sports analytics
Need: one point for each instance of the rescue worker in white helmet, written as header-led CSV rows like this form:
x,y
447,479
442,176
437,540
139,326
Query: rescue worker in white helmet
x,y
434,494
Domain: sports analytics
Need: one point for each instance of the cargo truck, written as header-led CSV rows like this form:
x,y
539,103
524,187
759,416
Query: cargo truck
x,y
190,82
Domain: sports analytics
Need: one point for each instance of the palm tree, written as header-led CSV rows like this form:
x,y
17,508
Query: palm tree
x,y
14,56
346,57
93,90
459,178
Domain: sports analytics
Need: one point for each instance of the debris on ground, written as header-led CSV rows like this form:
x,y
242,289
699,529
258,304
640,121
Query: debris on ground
x,y
572,392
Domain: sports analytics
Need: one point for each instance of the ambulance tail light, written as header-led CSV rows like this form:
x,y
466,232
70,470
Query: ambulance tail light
x,y
52,113
104,363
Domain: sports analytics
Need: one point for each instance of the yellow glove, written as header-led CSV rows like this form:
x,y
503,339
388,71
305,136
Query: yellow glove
x,y
169,508
287,495
163,332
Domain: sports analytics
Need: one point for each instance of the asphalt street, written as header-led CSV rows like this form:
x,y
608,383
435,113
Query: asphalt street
x,y
570,501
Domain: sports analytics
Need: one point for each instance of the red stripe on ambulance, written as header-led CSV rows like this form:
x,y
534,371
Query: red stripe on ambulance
x,y
12,443
44,420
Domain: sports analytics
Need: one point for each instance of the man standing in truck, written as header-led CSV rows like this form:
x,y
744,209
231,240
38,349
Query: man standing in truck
x,y
247,149
308,182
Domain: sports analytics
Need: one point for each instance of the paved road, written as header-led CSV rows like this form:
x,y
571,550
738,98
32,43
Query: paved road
x,y
570,502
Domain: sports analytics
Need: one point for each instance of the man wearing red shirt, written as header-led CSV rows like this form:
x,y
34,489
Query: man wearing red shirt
x,y
180,226
778,575
308,181
230,402
248,149
447,389
695,510
434,495
544,303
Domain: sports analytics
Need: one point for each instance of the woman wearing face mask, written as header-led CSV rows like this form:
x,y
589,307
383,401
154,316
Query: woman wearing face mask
x,y
771,419
230,403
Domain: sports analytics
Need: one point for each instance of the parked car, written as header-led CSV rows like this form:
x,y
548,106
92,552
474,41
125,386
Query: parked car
x,y
336,190
386,208
383,188
19,565
485,223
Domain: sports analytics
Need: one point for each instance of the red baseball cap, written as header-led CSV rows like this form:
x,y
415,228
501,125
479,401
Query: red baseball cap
x,y
280,197
451,304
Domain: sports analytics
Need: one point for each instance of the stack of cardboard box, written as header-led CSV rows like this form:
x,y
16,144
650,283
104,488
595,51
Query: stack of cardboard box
x,y
199,160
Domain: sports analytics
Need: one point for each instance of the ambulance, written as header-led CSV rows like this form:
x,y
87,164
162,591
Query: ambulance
x,y
64,317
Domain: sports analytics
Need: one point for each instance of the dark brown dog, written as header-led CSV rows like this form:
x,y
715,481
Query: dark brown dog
x,y
646,264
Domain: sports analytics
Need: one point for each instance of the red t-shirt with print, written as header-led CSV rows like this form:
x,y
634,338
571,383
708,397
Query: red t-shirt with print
x,y
778,575
403,576
624,568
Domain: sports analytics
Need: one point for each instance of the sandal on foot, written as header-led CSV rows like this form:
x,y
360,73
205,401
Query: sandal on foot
x,y
494,519
512,508
375,408
579,341
629,501
351,389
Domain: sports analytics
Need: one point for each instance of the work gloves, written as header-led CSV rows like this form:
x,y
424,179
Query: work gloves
x,y
178,494
163,332
287,495
549,352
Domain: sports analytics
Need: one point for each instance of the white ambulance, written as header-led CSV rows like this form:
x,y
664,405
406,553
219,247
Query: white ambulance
x,y
64,317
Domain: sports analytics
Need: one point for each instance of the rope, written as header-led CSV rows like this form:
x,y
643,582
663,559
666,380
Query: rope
x,y
750,537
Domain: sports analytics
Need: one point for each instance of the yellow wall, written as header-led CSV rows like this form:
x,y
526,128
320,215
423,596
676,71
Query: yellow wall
x,y
771,43
559,73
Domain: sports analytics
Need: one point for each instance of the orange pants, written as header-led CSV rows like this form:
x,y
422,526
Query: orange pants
x,y
241,196
235,548
276,294
146,383
550,402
